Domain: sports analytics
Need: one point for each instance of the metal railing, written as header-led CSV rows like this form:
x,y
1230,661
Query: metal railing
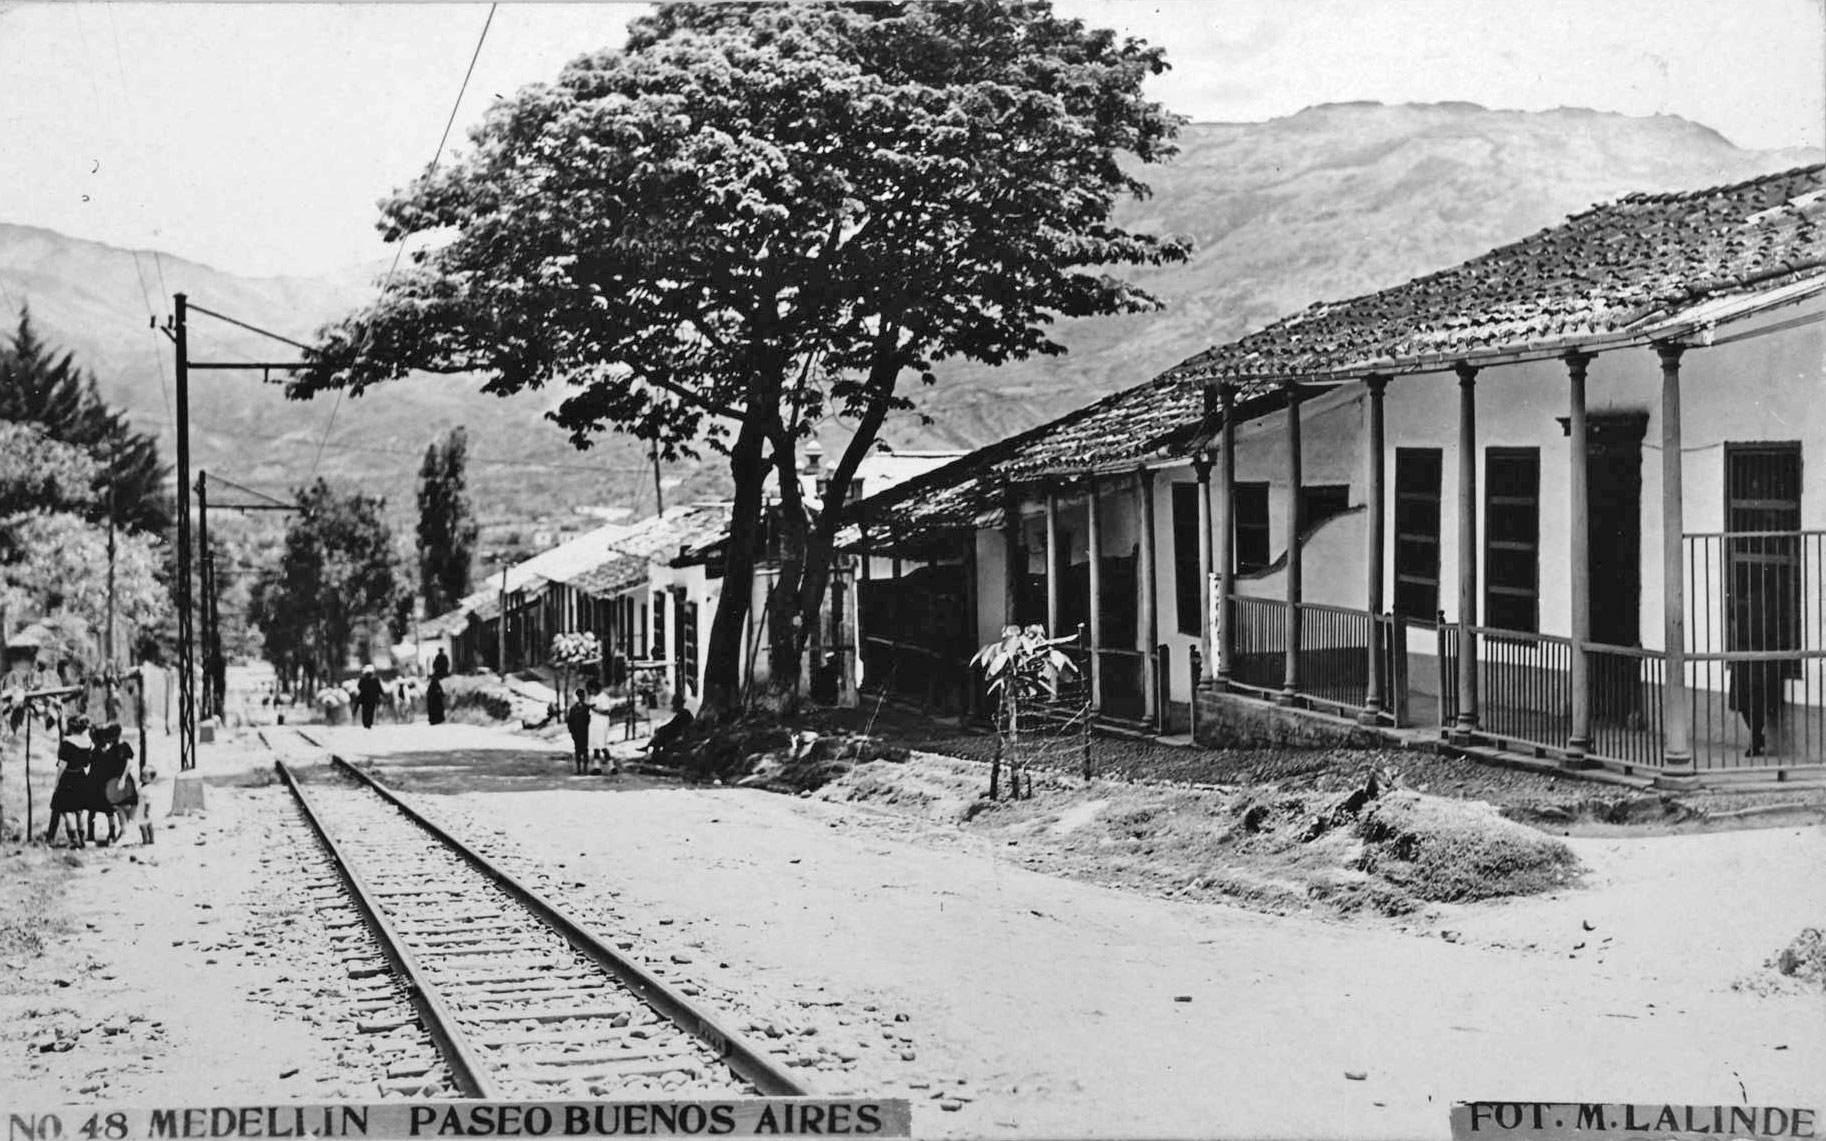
x,y
1626,684
1756,658
1258,643
1333,660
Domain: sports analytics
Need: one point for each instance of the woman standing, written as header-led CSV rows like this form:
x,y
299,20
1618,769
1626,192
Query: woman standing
x,y
70,799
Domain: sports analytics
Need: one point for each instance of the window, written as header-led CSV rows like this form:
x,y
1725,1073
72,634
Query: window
x,y
1763,564
1417,475
1250,507
687,646
1512,538
1188,582
659,626
1320,501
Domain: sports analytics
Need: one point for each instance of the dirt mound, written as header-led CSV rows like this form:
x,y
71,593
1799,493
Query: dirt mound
x,y
1453,851
1362,846
1805,958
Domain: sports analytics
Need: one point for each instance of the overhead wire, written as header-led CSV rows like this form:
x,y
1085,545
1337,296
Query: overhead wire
x,y
429,169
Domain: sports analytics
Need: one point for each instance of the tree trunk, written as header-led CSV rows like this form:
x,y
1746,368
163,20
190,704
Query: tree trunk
x,y
723,653
787,624
819,545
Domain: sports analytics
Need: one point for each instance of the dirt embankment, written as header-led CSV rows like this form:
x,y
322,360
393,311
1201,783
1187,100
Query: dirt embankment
x,y
1365,846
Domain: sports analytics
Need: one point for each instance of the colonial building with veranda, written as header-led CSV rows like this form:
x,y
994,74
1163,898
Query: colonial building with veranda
x,y
1553,500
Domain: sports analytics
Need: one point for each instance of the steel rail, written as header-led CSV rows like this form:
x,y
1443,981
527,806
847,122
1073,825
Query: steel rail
x,y
738,1054
467,1069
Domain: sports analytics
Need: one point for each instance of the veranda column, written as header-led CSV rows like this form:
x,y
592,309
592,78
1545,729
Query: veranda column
x,y
1676,726
972,630
1201,466
1467,550
1225,526
1372,553
1093,536
1150,600
1052,564
1290,684
1579,548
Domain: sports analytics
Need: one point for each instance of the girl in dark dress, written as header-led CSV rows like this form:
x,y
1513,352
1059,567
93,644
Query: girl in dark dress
x,y
434,701
108,776
71,797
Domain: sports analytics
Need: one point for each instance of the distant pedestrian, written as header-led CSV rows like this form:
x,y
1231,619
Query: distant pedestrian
x,y
577,720
434,701
440,665
367,696
69,799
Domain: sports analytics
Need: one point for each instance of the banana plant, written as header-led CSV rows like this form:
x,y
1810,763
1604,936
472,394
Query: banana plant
x,y
1022,667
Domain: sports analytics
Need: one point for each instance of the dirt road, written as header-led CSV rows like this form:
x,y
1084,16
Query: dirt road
x,y
914,959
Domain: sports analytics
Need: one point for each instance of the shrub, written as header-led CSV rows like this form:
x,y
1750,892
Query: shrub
x,y
1453,851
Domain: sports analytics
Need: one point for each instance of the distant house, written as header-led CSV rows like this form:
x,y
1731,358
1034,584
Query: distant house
x,y
1552,500
595,583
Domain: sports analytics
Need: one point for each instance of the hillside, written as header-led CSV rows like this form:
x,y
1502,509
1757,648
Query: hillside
x,y
1333,201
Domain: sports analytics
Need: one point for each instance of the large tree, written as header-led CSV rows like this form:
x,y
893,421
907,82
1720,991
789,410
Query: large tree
x,y
757,217
446,523
338,568
39,386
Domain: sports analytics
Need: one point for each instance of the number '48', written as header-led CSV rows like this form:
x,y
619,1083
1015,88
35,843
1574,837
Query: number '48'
x,y
113,1127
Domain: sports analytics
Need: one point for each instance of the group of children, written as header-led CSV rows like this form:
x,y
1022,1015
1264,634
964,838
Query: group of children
x,y
96,778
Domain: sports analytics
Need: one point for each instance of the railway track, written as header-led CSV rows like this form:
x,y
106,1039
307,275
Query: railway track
x,y
521,1001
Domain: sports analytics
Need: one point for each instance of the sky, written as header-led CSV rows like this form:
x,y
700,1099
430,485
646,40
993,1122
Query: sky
x,y
258,138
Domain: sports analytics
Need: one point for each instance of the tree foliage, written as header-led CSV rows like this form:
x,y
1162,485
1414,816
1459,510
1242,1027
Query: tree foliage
x,y
447,527
756,218
41,388
59,573
338,567
39,473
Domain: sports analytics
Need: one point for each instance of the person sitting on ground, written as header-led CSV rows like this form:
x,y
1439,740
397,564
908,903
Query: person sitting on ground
x,y
668,734
577,720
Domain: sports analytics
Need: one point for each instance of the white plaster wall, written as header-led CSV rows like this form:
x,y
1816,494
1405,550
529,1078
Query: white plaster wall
x,y
1762,389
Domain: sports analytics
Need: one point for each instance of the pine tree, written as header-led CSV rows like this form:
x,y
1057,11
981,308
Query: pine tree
x,y
446,523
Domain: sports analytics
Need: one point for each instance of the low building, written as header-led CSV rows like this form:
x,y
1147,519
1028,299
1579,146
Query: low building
x,y
1551,499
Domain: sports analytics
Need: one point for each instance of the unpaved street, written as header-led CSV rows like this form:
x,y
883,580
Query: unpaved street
x,y
910,958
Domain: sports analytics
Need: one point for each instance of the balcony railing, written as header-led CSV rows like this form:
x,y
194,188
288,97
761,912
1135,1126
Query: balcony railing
x,y
1333,661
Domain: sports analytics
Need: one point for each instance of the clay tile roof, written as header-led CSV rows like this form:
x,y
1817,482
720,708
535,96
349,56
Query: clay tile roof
x,y
1606,270
657,538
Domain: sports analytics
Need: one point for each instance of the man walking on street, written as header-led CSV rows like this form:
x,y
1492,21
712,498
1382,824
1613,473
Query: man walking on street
x,y
577,720
367,696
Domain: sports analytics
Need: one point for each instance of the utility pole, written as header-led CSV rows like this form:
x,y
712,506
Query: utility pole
x,y
659,494
187,794
109,672
187,685
501,625
206,706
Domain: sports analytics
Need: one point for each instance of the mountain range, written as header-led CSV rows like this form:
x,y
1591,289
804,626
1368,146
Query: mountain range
x,y
1331,202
